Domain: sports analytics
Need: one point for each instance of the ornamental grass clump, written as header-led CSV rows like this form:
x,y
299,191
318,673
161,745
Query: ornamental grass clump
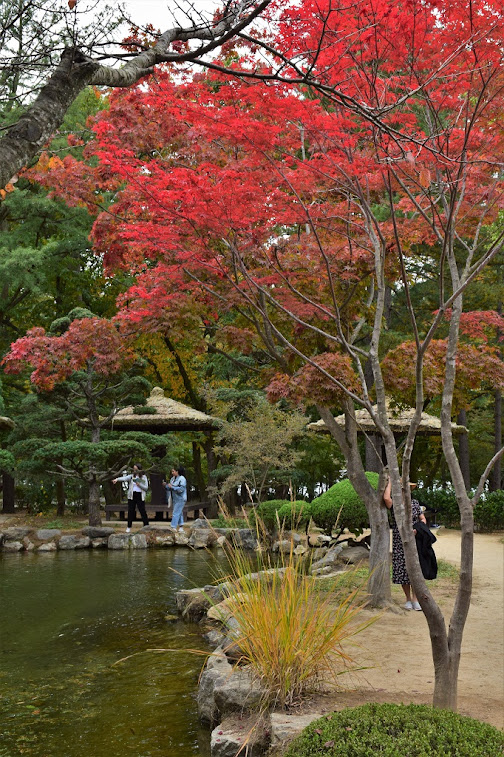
x,y
290,632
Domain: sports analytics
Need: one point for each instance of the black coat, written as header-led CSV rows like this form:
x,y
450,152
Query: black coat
x,y
424,541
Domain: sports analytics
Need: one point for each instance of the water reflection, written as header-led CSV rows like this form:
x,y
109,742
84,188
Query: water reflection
x,y
66,618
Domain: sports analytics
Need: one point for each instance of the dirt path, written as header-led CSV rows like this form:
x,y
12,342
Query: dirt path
x,y
397,646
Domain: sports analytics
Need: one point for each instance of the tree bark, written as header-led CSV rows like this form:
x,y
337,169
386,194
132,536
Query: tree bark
x,y
464,459
94,503
60,496
9,497
495,481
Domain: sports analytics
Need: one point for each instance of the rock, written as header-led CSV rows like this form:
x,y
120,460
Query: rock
x,y
164,539
354,555
97,532
181,538
330,560
301,549
13,546
138,541
71,541
202,538
192,604
48,546
219,661
15,533
283,546
285,727
46,534
221,540
239,691
319,540
200,523
225,609
207,709
28,545
214,638
119,541
243,537
229,737
100,543
2,538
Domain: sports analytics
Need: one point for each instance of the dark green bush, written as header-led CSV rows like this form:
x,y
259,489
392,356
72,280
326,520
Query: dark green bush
x,y
444,502
294,515
267,511
396,730
489,512
342,505
144,410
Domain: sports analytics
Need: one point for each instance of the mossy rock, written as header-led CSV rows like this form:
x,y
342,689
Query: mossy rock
x,y
393,730
341,505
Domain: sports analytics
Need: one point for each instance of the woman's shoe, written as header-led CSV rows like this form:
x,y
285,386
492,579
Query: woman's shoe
x,y
128,530
408,605
416,606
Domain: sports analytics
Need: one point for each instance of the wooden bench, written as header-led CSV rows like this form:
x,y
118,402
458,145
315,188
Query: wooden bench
x,y
195,509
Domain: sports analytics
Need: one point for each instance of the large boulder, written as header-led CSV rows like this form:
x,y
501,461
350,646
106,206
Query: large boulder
x,y
329,562
97,532
285,727
119,541
47,546
238,692
46,534
181,538
230,736
138,541
100,543
13,545
217,669
354,555
244,538
192,604
16,533
72,541
202,538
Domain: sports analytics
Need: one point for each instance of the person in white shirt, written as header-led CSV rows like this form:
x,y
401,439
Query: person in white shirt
x,y
137,488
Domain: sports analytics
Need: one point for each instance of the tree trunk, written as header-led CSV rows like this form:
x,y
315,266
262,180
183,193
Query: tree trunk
x,y
379,558
495,480
9,497
60,496
94,503
198,471
464,451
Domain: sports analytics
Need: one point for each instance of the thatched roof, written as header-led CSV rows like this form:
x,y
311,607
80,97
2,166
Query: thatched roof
x,y
399,420
162,414
6,422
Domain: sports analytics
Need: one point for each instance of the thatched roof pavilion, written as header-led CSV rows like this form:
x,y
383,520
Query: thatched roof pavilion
x,y
162,414
159,416
399,420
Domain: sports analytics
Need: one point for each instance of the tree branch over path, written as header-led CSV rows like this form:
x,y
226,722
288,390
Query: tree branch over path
x,y
38,123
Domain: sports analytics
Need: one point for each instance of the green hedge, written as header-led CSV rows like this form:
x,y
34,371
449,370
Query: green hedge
x,y
394,730
488,513
294,515
267,511
342,505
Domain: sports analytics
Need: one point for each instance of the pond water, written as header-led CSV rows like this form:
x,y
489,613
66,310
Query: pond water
x,y
65,619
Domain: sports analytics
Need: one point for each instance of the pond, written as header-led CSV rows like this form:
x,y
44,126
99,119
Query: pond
x,y
66,618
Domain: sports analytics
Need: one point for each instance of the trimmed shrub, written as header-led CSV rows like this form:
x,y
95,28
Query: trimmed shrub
x,y
489,512
294,515
267,511
395,730
342,505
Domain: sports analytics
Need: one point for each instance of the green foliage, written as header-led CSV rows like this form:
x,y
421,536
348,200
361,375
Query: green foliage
x,y
444,502
86,460
293,515
342,505
489,512
7,462
267,511
395,730
144,410
227,521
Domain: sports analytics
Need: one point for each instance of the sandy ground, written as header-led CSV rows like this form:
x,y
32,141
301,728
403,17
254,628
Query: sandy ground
x,y
397,647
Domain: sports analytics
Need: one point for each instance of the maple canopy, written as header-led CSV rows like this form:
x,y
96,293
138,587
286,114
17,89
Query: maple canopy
x,y
275,203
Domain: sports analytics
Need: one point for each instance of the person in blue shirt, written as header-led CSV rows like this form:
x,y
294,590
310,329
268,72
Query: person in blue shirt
x,y
177,487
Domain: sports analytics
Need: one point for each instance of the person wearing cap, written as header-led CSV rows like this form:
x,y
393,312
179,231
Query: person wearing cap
x,y
399,572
